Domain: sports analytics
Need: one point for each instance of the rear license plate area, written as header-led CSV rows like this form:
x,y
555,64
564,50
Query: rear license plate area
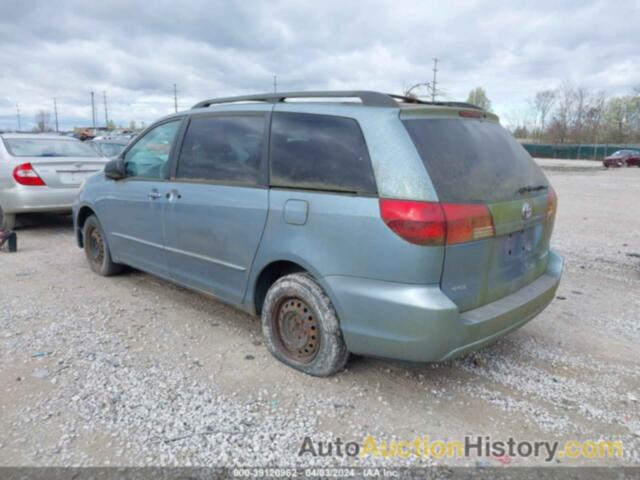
x,y
520,247
73,178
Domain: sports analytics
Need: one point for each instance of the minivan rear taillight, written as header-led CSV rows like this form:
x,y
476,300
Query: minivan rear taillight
x,y
24,174
421,223
467,222
433,223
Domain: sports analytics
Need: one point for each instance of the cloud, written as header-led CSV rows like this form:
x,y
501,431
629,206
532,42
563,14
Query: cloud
x,y
136,51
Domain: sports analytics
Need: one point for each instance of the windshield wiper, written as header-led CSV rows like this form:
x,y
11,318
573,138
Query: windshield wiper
x,y
532,188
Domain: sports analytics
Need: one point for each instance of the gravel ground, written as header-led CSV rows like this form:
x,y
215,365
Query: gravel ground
x,y
132,370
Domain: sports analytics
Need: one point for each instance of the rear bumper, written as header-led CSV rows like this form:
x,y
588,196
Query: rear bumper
x,y
420,323
23,199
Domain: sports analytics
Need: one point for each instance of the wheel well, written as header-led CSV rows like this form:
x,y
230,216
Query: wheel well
x,y
269,275
83,214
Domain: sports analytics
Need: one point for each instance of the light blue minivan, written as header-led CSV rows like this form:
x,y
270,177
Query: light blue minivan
x,y
349,221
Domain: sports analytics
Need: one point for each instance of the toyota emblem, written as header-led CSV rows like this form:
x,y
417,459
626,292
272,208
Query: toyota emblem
x,y
526,211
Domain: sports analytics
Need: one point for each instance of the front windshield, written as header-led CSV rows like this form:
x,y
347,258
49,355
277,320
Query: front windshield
x,y
48,147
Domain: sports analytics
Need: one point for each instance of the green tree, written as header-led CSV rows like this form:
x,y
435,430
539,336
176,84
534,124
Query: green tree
x,y
111,125
622,119
478,97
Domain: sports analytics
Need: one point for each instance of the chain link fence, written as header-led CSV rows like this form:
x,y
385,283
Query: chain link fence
x,y
579,151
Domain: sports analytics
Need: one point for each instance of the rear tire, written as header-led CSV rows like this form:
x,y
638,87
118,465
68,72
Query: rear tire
x,y
7,220
96,249
301,327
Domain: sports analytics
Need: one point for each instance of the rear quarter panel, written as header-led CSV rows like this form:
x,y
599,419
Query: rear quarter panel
x,y
343,236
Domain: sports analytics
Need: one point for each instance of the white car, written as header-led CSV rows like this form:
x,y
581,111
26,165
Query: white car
x,y
42,173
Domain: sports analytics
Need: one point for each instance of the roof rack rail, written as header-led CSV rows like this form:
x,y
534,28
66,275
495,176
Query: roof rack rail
x,y
368,98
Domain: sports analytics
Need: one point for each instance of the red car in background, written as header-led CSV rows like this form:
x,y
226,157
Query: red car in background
x,y
623,158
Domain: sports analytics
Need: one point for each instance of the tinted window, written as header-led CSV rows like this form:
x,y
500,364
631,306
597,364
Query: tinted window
x,y
473,161
48,147
149,157
225,149
319,152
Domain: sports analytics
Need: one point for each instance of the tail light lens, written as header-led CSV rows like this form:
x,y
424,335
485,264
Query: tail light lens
x,y
421,223
433,223
467,222
25,175
552,204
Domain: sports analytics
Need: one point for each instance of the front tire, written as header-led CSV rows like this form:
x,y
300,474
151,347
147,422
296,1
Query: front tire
x,y
301,327
7,220
96,249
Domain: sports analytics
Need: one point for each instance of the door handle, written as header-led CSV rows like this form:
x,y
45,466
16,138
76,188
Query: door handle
x,y
173,194
154,194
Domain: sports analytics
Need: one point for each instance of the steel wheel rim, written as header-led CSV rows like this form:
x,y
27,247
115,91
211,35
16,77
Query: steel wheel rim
x,y
297,329
96,246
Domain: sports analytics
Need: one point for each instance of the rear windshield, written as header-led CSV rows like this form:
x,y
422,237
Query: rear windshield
x,y
473,161
48,147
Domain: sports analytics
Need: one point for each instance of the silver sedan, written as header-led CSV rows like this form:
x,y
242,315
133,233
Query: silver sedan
x,y
42,173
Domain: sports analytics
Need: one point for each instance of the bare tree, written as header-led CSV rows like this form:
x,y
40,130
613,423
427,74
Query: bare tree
x,y
43,119
564,117
543,103
579,115
520,122
593,117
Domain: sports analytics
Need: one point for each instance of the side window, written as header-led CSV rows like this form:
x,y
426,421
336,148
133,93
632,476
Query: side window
x,y
223,149
149,157
319,152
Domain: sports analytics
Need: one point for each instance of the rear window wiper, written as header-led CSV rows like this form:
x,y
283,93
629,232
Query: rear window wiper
x,y
532,188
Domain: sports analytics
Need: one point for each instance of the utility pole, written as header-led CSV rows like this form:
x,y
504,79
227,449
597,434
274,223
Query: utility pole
x,y
275,84
19,122
55,112
434,83
106,113
93,110
175,97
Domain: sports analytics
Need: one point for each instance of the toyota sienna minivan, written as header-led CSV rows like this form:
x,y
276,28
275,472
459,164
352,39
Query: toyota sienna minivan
x,y
349,221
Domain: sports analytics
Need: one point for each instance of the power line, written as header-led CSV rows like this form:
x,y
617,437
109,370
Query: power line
x,y
55,112
434,83
175,97
93,110
18,112
106,113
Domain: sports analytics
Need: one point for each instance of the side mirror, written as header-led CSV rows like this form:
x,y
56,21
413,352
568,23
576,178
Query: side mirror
x,y
115,169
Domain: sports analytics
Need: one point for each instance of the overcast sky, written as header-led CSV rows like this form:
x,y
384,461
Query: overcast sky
x,y
136,52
